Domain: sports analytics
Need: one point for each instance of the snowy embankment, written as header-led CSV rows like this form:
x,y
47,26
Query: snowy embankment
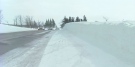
x,y
91,45
114,39
8,29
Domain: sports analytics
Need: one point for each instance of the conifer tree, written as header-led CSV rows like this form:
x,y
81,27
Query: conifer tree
x,y
77,19
84,18
65,20
53,22
70,19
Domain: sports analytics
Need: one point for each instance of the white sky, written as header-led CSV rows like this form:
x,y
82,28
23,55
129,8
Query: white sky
x,y
115,10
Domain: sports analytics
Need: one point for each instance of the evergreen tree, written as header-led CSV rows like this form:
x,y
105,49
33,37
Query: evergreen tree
x,y
84,18
65,20
47,24
53,22
77,19
70,19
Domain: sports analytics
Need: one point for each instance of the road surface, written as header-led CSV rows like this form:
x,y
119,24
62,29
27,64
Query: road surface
x,y
28,47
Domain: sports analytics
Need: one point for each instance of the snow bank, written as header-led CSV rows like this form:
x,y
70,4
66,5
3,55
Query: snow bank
x,y
66,50
8,29
114,39
61,52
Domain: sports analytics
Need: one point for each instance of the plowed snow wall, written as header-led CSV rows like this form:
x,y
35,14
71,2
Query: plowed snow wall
x,y
117,40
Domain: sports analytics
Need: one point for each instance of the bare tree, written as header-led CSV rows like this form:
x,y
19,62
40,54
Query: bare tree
x,y
29,21
20,19
15,21
1,16
106,19
35,24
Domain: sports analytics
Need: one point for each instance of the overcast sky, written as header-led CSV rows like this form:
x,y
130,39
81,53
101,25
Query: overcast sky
x,y
115,10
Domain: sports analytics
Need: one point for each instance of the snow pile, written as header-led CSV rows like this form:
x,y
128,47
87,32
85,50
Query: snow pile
x,y
114,39
61,52
7,29
66,50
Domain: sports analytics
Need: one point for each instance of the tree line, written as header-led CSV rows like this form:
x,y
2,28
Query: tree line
x,y
29,22
72,19
50,23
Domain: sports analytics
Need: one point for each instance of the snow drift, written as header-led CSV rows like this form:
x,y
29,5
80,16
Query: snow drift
x,y
114,39
8,29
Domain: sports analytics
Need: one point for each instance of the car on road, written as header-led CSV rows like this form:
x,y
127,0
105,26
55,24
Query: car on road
x,y
40,28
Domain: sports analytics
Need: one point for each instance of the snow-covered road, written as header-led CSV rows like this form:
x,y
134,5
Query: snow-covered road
x,y
26,56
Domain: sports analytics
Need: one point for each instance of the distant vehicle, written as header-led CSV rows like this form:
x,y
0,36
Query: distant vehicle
x,y
50,29
40,28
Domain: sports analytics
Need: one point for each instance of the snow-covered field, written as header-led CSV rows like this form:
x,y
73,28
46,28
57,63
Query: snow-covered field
x,y
7,29
91,45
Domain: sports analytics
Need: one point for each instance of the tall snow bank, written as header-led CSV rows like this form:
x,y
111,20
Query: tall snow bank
x,y
115,39
8,29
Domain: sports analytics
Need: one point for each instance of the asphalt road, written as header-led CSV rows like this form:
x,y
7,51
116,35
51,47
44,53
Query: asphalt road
x,y
10,41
